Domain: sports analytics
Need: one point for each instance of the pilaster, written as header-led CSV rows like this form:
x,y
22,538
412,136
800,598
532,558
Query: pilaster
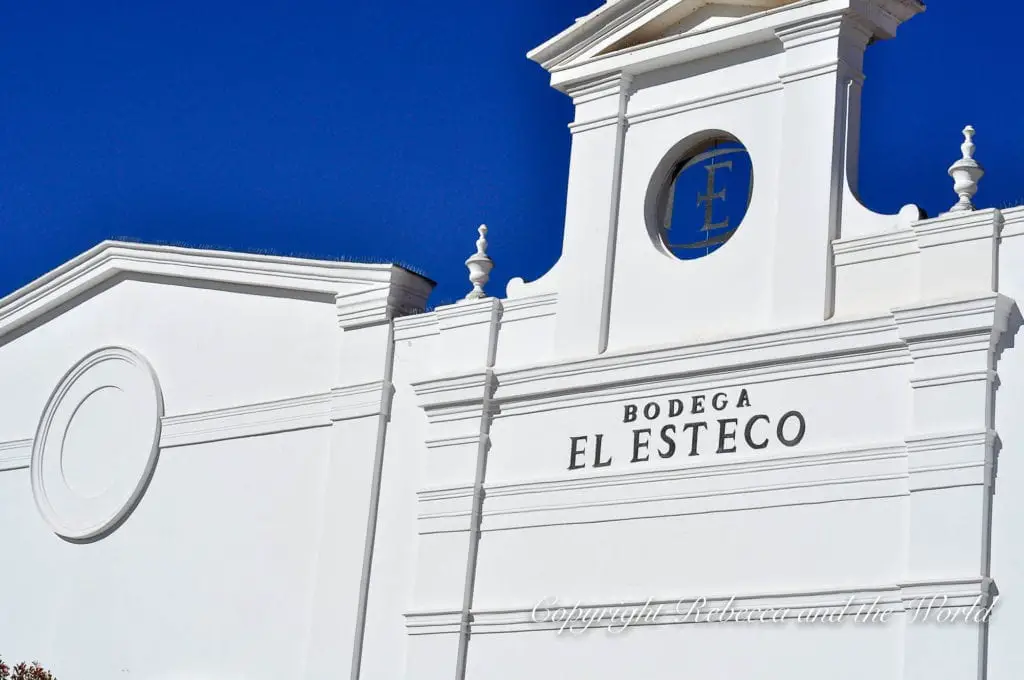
x,y
592,214
360,407
959,253
952,448
822,57
458,409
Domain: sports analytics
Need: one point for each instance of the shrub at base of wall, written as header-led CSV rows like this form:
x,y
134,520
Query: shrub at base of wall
x,y
25,671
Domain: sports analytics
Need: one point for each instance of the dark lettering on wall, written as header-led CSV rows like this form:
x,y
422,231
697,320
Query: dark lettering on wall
x,y
671,450
695,429
598,463
725,434
801,424
637,445
576,451
744,400
697,435
748,433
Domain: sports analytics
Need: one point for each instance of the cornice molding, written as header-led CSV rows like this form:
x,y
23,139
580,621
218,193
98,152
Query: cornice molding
x,y
609,85
456,398
951,322
959,227
1013,222
944,461
825,27
909,333
111,258
381,304
586,39
416,326
875,247
532,307
598,45
762,355
469,313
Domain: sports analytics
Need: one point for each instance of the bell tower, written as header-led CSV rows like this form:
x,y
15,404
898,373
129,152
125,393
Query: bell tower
x,y
713,164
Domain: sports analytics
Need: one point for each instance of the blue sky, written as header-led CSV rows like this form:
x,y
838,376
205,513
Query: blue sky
x,y
389,131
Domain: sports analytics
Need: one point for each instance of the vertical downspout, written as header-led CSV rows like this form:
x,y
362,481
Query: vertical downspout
x,y
613,216
478,498
387,398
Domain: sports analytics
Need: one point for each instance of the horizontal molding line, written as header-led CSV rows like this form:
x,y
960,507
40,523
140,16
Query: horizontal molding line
x,y
824,477
538,306
596,123
790,606
1013,222
849,345
673,383
875,247
251,420
634,118
15,455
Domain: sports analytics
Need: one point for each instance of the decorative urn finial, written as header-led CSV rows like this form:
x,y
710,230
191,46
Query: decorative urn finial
x,y
966,173
480,266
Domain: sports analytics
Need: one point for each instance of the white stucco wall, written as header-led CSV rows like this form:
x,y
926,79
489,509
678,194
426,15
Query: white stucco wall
x,y
350,487
224,525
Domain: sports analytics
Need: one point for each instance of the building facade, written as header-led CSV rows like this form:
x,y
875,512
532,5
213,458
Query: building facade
x,y
745,427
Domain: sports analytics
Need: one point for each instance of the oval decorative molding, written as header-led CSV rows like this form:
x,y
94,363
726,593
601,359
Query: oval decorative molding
x,y
97,443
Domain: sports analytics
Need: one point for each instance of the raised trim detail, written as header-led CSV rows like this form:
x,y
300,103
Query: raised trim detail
x,y
117,482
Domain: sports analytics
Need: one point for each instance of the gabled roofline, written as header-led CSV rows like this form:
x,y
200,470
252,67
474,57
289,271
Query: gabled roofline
x,y
563,50
553,49
272,272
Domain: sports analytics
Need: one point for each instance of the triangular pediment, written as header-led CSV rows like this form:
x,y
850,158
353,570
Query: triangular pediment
x,y
173,265
623,24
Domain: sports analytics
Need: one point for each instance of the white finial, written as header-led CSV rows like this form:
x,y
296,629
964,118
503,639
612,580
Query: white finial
x,y
480,266
966,173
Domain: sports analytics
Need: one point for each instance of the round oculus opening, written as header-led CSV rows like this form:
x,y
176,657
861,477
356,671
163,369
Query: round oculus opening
x,y
705,197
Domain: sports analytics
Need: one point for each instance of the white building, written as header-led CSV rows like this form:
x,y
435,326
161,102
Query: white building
x,y
739,401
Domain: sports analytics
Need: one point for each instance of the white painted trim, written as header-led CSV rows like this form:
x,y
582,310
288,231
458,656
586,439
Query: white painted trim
x,y
532,307
249,420
717,99
875,247
959,227
814,350
1013,222
899,598
15,455
362,400
416,326
707,486
110,258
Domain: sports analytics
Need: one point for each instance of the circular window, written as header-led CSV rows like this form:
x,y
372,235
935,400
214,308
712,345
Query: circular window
x,y
705,197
